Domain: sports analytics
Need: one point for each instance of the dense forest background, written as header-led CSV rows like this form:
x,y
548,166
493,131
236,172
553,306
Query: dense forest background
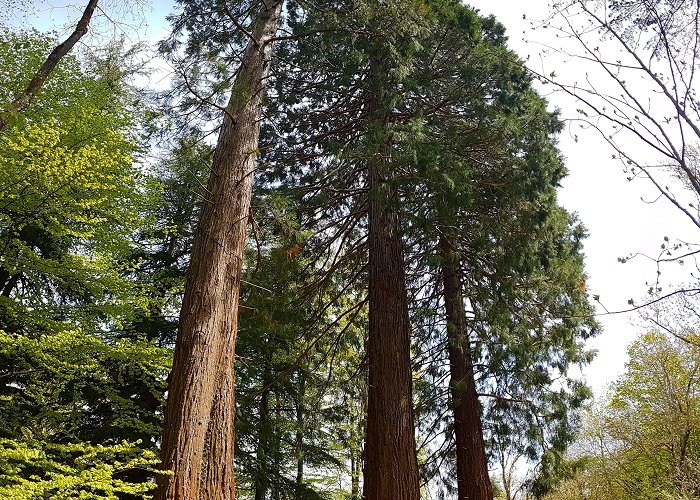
x,y
355,205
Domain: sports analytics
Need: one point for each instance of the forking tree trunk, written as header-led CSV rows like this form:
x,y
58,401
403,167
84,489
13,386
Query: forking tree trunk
x,y
391,467
198,434
473,481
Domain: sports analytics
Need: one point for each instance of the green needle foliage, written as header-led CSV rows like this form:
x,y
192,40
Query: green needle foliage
x,y
485,168
297,372
414,114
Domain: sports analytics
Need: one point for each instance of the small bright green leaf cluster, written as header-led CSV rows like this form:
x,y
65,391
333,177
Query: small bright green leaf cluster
x,y
36,469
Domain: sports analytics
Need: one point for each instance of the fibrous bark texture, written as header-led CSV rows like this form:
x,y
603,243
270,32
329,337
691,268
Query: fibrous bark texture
x,y
198,436
391,467
473,482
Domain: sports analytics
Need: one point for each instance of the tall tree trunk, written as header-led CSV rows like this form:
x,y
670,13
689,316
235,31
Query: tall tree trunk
x,y
391,467
52,60
276,447
355,455
200,407
264,430
300,411
473,482
217,478
358,419
355,479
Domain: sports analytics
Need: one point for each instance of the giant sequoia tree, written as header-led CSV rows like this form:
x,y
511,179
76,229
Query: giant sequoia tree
x,y
391,467
341,117
486,174
399,179
198,434
481,141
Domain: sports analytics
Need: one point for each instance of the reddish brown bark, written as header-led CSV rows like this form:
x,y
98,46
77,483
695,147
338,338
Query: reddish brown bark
x,y
391,467
198,435
473,481
48,66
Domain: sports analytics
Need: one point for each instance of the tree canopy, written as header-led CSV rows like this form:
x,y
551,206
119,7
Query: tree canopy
x,y
642,441
346,214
